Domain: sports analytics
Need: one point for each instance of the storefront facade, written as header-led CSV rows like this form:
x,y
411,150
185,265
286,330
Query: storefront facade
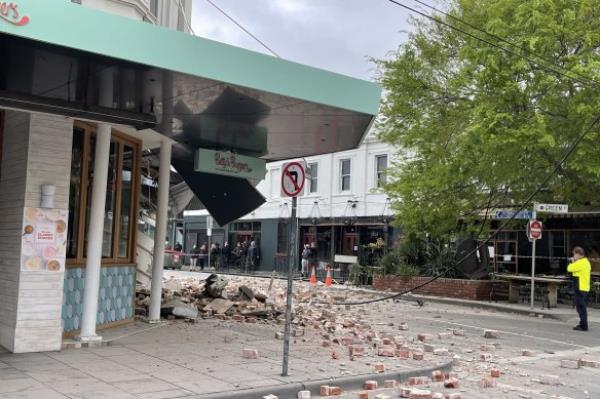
x,y
80,107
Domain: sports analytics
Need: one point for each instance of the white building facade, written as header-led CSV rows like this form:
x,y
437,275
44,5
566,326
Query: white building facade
x,y
342,210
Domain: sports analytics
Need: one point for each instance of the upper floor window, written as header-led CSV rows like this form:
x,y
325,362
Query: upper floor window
x,y
381,164
345,169
314,177
154,7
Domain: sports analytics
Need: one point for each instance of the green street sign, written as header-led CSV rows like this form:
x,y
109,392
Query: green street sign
x,y
227,163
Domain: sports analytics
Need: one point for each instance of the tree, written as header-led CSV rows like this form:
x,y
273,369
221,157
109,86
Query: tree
x,y
478,127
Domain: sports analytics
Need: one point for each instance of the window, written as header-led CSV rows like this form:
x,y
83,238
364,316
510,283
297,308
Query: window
x,y
121,197
345,168
154,7
314,177
381,170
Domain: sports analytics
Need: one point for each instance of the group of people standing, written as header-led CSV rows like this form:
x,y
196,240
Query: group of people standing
x,y
244,255
309,258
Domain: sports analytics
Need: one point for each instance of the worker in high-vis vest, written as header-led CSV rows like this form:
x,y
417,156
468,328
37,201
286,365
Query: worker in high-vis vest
x,y
581,269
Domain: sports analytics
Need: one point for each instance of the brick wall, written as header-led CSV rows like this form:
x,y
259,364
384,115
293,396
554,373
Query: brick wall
x,y
451,288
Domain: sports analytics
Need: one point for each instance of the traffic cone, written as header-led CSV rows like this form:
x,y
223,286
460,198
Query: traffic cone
x,y
313,277
328,277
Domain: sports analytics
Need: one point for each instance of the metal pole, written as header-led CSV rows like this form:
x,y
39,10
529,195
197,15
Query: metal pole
x,y
288,306
209,248
533,266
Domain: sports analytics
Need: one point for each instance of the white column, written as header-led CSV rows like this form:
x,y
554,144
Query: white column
x,y
95,235
164,177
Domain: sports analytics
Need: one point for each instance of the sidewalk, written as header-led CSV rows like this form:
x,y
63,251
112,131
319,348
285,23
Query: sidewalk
x,y
199,360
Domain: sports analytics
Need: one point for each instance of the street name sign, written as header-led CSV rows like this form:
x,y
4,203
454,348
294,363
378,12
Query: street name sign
x,y
226,163
552,208
293,176
505,214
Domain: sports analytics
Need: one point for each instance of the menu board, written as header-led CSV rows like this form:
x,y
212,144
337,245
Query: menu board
x,y
44,239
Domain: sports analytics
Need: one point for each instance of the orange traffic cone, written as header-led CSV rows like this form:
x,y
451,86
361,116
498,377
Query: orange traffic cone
x,y
328,277
313,277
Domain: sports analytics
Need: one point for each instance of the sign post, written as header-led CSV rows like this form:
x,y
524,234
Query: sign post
x,y
293,176
209,226
534,233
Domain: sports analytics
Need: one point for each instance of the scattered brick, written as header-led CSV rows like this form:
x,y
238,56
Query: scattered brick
x,y
335,391
451,383
589,363
357,350
420,394
278,335
491,334
390,383
458,332
250,353
437,376
404,392
569,364
488,382
445,335
402,353
326,344
304,395
428,348
347,341
324,390
386,341
379,367
335,355
485,357
403,326
418,356
549,380
421,380
363,395
495,373
386,351
370,385
527,353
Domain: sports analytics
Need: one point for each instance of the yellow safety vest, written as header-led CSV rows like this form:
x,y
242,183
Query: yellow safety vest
x,y
581,269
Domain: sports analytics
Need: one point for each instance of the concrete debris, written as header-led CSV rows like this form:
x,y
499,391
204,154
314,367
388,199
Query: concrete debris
x,y
218,306
179,309
569,364
491,334
304,395
215,286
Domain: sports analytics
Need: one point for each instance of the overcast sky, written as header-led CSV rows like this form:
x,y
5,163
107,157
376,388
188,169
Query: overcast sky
x,y
337,35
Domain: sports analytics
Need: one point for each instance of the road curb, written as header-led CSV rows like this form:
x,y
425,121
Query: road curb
x,y
348,383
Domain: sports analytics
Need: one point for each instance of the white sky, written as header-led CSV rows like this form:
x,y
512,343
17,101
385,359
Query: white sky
x,y
337,35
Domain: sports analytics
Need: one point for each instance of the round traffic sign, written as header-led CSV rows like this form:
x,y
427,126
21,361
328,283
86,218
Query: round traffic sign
x,y
535,229
293,176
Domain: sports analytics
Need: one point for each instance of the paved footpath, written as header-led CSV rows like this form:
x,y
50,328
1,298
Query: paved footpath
x,y
198,360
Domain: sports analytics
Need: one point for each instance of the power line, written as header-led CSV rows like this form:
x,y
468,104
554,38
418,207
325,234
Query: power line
x,y
441,22
243,28
472,26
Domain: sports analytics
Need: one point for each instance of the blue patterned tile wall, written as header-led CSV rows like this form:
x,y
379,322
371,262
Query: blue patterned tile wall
x,y
115,301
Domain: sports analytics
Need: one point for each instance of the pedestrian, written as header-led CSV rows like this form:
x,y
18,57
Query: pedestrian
x,y
253,255
203,253
305,255
237,254
581,268
226,254
178,247
194,257
312,257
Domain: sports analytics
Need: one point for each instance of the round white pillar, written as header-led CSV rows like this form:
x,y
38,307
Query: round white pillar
x,y
95,235
164,178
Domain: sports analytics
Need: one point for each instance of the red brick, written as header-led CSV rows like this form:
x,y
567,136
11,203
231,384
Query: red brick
x,y
250,353
418,356
335,391
390,383
379,367
421,380
495,373
402,353
451,382
437,376
363,395
370,385
404,392
386,351
324,390
420,394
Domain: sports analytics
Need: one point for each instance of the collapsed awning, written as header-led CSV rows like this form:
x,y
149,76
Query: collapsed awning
x,y
198,92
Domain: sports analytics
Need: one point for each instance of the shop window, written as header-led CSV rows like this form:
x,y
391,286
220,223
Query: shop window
x,y
314,177
381,164
345,169
121,197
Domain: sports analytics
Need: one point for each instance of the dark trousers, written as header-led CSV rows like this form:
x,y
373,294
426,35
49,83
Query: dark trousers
x,y
581,305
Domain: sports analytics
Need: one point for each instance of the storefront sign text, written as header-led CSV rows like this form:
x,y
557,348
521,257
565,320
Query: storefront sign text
x,y
229,164
9,12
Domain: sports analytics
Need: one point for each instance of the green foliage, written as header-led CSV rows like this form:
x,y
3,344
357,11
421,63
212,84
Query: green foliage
x,y
477,127
419,257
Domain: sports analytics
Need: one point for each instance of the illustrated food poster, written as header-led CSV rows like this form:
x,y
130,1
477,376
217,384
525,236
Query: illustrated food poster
x,y
44,240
